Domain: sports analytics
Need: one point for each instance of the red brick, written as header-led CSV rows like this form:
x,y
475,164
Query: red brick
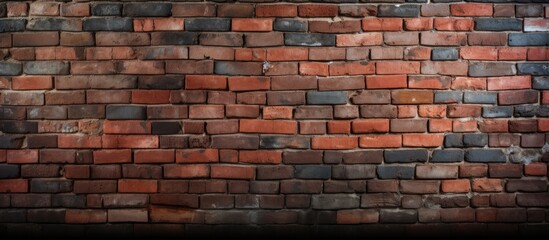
x,y
59,53
17,9
206,111
343,26
380,141
247,54
277,112
137,186
78,141
382,24
489,125
535,169
112,156
22,156
312,127
407,111
479,53
210,52
543,125
14,185
429,82
127,127
463,110
268,126
158,24
287,54
252,24
418,24
370,126
362,39
422,140
351,68
85,216
276,10
32,83
456,186
397,67
249,83
327,53
317,10
487,185
339,126
454,24
509,83
197,156
464,125
467,83
512,53
154,156
334,143
130,141
186,171
538,54
432,111
260,157
233,172
193,10
412,97
440,125
357,216
472,10
313,68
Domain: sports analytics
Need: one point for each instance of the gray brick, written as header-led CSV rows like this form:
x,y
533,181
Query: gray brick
x,y
9,171
313,171
488,69
540,82
528,39
314,112
50,185
107,9
309,39
148,9
13,216
406,156
161,82
302,157
3,10
10,69
125,112
475,139
86,111
525,111
55,24
535,69
275,141
453,140
405,10
396,172
208,24
335,201
543,111
497,112
47,112
235,141
529,10
447,156
46,68
378,111
12,25
18,127
162,128
174,38
221,39
498,24
108,24
68,201
290,25
485,155
480,97
329,97
11,141
397,216
354,172
448,97
274,172
444,54
238,68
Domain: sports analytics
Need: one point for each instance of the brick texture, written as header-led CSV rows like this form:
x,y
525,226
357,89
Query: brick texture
x,y
268,118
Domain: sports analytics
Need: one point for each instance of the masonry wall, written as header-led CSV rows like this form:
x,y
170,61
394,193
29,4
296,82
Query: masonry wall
x,y
261,118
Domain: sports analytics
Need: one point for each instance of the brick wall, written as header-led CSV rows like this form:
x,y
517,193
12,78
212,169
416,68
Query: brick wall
x,y
259,117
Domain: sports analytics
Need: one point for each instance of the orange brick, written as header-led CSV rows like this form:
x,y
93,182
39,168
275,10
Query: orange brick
x,y
382,24
32,83
277,112
260,156
479,53
386,81
362,39
249,83
252,24
380,141
422,140
287,54
509,83
268,126
334,143
456,186
137,186
440,125
472,10
313,68
370,126
339,127
197,156
205,82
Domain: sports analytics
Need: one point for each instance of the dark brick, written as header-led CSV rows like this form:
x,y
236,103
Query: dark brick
x,y
448,97
264,39
313,112
498,24
398,10
3,10
335,201
50,185
372,97
378,111
445,156
236,141
485,155
345,186
528,39
30,200
274,172
534,68
162,128
309,39
328,97
533,200
487,69
18,127
174,38
12,113
518,97
274,141
395,172
148,9
46,68
397,216
540,82
161,82
41,141
497,112
354,172
47,112
208,24
68,200
238,68
106,172
235,10
525,111
264,187
46,215
515,185
12,25
363,157
10,69
480,97
86,111
406,156
124,112
313,172
286,98
107,9
9,171
221,39
108,24
444,54
125,200
290,25
55,24
141,171
380,200
13,215
529,10
543,111
475,139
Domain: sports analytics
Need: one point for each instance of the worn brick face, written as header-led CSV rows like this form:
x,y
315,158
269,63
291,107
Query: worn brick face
x,y
202,118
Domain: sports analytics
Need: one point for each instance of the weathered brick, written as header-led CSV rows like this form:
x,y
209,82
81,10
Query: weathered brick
x,y
528,39
147,10
50,24
309,39
106,9
498,24
107,24
290,25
